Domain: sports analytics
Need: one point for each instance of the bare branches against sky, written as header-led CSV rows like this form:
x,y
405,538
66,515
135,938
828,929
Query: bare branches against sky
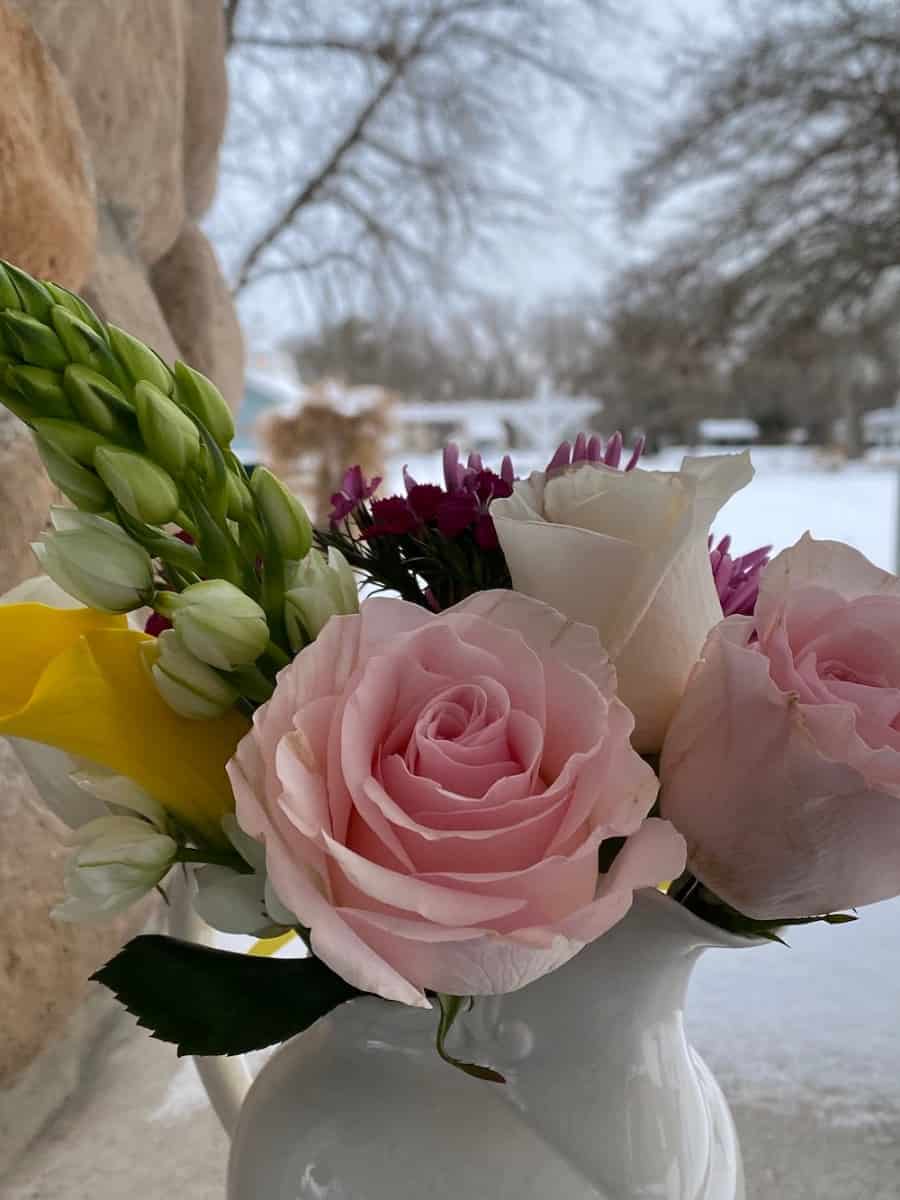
x,y
375,144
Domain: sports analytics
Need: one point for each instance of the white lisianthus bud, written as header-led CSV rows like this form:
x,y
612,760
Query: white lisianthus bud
x,y
96,562
284,515
217,622
322,588
118,860
190,687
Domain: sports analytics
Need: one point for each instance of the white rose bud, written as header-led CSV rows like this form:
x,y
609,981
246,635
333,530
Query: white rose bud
x,y
190,687
95,561
118,860
322,588
218,623
626,551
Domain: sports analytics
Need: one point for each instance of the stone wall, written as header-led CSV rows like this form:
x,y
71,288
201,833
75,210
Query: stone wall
x,y
111,115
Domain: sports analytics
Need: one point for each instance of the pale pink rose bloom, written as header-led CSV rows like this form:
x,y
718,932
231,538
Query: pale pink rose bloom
x,y
782,765
432,791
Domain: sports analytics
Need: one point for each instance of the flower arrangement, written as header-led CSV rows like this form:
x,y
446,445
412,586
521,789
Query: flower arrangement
x,y
557,691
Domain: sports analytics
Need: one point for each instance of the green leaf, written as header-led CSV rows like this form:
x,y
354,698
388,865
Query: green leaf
x,y
451,1007
210,1002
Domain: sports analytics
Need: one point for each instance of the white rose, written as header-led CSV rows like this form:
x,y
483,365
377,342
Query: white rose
x,y
627,553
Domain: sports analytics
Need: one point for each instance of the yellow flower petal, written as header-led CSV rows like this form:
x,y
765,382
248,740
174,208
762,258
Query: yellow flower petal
x,y
266,946
75,679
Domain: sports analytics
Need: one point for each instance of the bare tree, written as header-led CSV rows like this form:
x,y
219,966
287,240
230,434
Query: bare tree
x,y
374,143
783,164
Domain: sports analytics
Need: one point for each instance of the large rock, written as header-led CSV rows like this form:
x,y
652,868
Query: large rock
x,y
120,291
47,217
46,964
124,63
195,299
25,496
205,102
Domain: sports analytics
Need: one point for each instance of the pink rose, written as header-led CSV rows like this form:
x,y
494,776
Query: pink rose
x,y
432,791
782,765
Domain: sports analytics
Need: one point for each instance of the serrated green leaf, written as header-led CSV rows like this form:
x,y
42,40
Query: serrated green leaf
x,y
210,1002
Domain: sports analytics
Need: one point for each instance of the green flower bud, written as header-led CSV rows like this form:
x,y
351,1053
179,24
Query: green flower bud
x,y
217,622
201,396
96,562
139,361
84,345
34,298
33,341
171,437
187,685
119,859
144,489
9,297
239,499
17,405
77,307
69,438
42,390
75,481
283,514
321,588
98,402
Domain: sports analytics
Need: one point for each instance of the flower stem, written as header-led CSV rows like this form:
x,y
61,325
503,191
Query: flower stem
x,y
215,858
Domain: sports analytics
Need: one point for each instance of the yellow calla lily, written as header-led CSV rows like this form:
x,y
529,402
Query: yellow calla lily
x,y
74,678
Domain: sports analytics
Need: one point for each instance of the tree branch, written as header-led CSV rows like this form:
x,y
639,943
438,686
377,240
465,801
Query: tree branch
x,y
338,154
231,10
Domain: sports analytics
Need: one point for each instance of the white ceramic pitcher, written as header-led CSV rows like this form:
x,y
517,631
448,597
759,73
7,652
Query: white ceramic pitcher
x,y
604,1100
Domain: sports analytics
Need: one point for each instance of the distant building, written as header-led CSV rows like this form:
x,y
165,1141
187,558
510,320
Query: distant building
x,y
727,431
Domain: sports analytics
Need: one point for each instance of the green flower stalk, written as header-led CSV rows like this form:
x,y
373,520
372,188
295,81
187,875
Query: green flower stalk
x,y
148,447
94,561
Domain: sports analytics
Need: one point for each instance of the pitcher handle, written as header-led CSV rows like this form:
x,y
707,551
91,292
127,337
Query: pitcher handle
x,y
226,1079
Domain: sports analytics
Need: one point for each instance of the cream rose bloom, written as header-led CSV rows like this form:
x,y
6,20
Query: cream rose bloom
x,y
626,551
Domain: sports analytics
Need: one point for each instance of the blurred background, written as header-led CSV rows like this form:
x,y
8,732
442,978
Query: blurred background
x,y
380,225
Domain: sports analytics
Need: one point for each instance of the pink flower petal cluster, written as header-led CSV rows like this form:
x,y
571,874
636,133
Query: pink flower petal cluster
x,y
737,579
782,764
432,791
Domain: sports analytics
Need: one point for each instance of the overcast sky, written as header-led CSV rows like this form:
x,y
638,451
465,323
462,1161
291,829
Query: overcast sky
x,y
585,156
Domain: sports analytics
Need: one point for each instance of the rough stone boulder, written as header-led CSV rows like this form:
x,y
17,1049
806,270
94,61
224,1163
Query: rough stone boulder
x,y
48,219
111,116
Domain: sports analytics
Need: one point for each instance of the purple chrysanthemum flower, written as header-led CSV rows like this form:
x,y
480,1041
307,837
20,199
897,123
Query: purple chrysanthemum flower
x,y
591,450
355,489
737,579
